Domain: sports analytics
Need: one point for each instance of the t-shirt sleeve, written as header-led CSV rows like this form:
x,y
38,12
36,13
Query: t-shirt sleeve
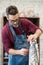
x,y
6,41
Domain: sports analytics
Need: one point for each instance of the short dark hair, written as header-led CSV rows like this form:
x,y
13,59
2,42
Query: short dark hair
x,y
11,10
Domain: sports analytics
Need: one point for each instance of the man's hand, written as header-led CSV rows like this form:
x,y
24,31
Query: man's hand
x,y
35,35
23,51
31,37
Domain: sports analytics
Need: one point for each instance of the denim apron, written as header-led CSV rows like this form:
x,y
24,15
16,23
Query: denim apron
x,y
20,42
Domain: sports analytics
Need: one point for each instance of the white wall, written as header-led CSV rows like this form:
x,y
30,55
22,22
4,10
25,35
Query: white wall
x,y
23,5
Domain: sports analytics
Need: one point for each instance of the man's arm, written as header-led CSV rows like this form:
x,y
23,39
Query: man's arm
x,y
13,51
8,46
34,29
35,35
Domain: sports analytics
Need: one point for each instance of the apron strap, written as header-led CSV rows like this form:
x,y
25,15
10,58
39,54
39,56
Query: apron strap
x,y
13,32
21,28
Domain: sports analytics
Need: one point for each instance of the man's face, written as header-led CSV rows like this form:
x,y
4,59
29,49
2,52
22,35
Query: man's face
x,y
13,19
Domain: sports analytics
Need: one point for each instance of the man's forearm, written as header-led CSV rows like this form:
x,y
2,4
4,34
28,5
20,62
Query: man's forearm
x,y
13,51
38,33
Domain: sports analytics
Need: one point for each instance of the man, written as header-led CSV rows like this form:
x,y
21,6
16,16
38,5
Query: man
x,y
15,36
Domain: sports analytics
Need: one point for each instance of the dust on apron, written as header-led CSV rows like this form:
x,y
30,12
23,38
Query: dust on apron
x,y
20,42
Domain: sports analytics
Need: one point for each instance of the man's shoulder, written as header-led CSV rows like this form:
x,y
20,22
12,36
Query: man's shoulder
x,y
24,20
